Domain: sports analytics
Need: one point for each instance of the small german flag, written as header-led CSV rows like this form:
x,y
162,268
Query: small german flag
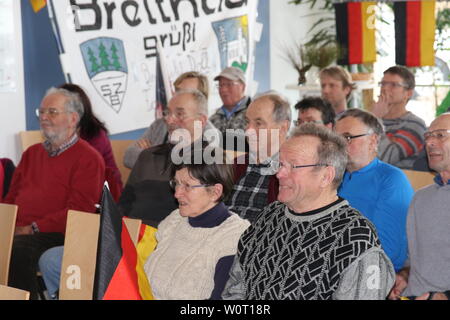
x,y
414,33
119,273
355,32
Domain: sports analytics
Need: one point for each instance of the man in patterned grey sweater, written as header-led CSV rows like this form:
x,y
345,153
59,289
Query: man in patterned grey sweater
x,y
310,244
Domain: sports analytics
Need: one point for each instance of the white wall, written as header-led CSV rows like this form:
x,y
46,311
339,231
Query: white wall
x,y
288,27
12,104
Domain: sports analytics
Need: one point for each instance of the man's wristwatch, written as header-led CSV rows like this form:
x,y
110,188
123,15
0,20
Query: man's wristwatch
x,y
34,227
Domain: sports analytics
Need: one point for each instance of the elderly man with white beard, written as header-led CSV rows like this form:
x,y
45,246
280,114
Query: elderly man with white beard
x,y
62,173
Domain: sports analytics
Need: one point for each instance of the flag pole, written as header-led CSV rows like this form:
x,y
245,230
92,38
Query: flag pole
x,y
353,69
164,71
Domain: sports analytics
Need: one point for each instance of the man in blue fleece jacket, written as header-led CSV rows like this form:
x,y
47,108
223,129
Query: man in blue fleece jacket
x,y
379,190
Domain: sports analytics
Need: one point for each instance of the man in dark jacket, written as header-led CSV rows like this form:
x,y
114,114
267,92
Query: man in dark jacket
x,y
147,194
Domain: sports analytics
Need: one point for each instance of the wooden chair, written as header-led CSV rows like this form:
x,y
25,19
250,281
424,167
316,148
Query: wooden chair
x,y
8,213
79,257
80,254
9,293
28,138
231,155
419,179
118,148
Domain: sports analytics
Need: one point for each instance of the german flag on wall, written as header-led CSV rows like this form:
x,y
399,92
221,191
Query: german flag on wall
x,y
414,33
355,32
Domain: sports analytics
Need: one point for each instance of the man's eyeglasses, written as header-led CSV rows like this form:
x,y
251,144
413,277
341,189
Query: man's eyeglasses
x,y
51,112
349,138
186,187
226,84
391,84
277,165
177,115
440,134
299,122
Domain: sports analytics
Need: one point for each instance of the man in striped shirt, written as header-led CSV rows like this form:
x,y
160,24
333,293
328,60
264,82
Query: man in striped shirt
x,y
404,131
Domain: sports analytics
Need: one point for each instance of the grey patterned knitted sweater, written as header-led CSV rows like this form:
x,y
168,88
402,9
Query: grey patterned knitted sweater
x,y
329,253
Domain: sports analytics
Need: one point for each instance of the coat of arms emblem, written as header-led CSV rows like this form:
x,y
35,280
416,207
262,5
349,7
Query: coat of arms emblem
x,y
106,65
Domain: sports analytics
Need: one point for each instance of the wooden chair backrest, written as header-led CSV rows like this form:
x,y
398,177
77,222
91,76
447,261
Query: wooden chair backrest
x,y
80,254
419,179
8,213
79,257
118,148
28,138
9,293
231,154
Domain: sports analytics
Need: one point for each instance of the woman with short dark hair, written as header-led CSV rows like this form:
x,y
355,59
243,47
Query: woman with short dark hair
x,y
198,241
95,133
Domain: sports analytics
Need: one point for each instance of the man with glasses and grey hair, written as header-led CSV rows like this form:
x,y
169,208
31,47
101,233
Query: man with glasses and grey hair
x,y
426,275
310,244
268,119
403,141
157,132
380,191
62,173
147,194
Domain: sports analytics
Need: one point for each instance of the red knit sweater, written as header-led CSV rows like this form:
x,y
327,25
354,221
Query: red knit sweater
x,y
46,187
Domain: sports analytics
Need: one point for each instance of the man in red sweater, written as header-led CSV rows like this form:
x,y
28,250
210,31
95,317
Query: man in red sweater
x,y
62,173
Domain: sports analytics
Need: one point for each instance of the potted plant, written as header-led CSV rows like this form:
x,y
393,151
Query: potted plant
x,y
296,57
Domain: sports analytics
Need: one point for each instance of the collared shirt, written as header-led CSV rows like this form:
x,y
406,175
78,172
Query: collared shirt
x,y
249,195
438,180
229,114
63,147
223,119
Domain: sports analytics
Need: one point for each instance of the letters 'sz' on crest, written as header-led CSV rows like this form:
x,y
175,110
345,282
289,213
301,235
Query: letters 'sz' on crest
x,y
106,66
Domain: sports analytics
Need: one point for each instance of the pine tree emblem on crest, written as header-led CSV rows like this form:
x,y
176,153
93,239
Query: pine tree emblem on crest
x,y
106,65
